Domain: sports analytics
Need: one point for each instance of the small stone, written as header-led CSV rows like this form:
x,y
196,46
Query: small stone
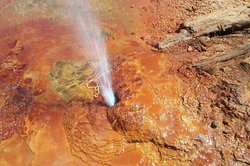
x,y
225,122
142,38
247,127
189,9
203,48
190,48
245,64
203,40
132,33
225,131
194,8
239,134
214,124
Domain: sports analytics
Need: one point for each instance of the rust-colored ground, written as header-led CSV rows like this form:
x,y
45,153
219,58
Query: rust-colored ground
x,y
168,112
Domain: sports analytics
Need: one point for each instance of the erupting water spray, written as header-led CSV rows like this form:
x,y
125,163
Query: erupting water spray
x,y
95,47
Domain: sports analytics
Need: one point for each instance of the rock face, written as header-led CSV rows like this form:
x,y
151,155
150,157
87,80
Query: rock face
x,y
152,114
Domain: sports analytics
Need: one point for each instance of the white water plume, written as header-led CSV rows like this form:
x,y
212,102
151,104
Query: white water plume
x,y
95,47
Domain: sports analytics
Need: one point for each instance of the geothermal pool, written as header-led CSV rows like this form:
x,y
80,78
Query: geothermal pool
x,y
55,88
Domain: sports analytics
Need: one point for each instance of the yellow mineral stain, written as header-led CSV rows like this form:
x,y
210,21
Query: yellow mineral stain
x,y
15,151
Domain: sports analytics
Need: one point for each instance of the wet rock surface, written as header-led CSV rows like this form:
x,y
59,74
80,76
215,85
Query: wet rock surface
x,y
155,118
168,111
93,140
74,79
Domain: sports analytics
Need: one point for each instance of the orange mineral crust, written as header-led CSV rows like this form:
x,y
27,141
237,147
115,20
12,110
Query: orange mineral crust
x,y
167,112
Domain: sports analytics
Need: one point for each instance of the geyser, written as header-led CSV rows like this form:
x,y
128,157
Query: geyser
x,y
95,48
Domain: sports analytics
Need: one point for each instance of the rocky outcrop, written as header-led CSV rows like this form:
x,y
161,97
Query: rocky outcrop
x,y
90,135
155,118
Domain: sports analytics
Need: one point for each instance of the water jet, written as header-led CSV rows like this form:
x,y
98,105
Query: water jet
x,y
95,47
